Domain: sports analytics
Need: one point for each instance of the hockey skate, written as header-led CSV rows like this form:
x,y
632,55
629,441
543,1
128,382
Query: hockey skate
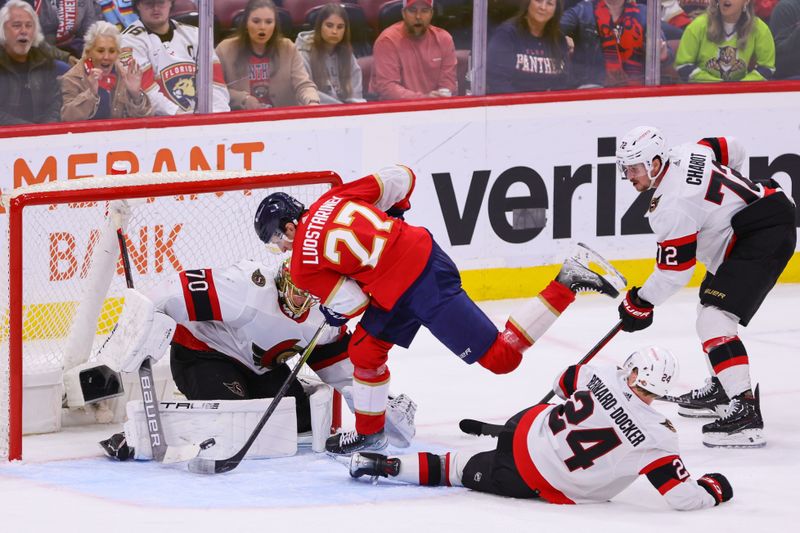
x,y
708,401
586,270
740,427
350,442
374,465
116,447
400,429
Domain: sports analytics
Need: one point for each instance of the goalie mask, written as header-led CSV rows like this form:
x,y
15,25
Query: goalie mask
x,y
295,300
656,368
641,145
272,215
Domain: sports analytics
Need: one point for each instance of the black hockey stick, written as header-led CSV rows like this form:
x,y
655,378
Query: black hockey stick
x,y
476,427
162,452
202,465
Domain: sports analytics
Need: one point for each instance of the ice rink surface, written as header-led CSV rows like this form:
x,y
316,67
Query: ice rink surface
x,y
65,485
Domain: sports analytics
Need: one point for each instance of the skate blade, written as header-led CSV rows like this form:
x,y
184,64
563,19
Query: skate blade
x,y
594,261
747,438
697,413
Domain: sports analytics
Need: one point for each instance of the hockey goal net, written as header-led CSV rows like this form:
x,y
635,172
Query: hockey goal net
x,y
54,282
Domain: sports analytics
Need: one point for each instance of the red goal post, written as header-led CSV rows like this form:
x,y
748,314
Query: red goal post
x,y
55,236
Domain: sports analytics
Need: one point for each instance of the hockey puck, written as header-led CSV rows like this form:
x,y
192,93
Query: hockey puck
x,y
208,443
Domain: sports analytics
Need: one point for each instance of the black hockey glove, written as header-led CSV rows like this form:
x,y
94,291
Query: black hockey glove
x,y
396,212
332,317
635,313
717,485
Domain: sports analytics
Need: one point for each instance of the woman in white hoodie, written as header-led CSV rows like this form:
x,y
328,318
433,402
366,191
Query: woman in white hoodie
x,y
329,59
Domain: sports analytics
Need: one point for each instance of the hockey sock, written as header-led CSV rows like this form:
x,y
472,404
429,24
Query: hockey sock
x,y
535,317
370,393
427,469
525,326
728,358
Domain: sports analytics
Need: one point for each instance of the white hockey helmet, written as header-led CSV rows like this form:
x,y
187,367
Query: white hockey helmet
x,y
641,145
656,367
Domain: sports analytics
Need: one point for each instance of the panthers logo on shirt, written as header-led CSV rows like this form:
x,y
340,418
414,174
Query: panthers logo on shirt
x,y
177,82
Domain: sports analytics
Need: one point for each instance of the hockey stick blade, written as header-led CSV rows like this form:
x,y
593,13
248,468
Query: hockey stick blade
x,y
202,465
478,428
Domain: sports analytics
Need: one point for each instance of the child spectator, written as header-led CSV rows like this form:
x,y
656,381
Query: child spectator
x,y
722,43
261,67
528,52
28,83
328,57
412,58
609,40
101,87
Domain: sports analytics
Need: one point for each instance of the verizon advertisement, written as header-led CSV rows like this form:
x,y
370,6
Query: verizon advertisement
x,y
502,186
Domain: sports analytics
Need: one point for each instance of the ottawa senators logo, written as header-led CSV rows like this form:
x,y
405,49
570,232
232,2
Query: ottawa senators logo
x,y
667,424
178,83
258,278
654,203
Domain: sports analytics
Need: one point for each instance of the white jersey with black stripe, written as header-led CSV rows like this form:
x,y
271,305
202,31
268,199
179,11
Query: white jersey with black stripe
x,y
691,212
243,318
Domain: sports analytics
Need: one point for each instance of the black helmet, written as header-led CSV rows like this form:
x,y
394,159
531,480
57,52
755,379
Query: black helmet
x,y
274,212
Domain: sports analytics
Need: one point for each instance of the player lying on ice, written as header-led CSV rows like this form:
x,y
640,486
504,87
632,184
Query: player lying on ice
x,y
353,250
236,327
587,449
744,232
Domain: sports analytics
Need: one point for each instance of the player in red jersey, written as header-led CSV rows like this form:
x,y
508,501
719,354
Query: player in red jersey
x,y
354,251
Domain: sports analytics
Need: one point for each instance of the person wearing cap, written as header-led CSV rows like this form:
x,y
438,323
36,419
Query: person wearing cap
x,y
412,58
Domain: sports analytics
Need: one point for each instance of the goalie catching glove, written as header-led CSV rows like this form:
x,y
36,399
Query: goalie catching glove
x,y
140,332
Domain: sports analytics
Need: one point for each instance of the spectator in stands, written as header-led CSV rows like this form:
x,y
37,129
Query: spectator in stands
x,y
609,41
28,87
673,14
412,58
262,68
723,43
785,26
528,51
118,12
100,86
328,57
166,51
65,22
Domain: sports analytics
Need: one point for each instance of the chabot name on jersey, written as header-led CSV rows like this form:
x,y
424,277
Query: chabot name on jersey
x,y
617,413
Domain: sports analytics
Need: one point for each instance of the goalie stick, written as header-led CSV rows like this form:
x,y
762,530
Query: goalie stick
x,y
476,427
162,452
202,465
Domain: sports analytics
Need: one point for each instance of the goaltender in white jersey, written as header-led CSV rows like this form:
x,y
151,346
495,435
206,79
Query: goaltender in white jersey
x,y
587,449
166,50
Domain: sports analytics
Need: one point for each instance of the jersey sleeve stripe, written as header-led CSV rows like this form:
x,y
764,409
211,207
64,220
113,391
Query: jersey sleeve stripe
x,y
663,474
680,241
719,146
678,254
658,463
202,304
447,469
569,380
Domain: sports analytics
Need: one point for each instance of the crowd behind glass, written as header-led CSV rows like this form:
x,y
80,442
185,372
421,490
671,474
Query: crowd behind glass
x,y
69,60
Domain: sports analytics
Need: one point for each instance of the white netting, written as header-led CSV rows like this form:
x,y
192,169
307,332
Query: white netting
x,y
165,234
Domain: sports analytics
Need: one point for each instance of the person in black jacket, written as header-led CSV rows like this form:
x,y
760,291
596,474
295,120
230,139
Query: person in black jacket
x,y
785,26
28,81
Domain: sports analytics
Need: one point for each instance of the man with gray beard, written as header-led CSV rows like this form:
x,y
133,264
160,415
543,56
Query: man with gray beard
x,y
28,82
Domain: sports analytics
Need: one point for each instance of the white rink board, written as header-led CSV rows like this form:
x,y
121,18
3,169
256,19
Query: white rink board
x,y
543,142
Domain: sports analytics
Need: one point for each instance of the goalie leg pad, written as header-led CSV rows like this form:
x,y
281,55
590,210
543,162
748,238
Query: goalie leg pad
x,y
228,422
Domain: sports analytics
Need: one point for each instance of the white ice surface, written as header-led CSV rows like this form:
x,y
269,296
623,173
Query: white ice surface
x,y
65,485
